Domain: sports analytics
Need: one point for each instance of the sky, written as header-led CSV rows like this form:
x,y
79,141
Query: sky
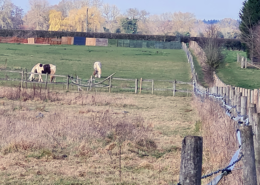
x,y
202,9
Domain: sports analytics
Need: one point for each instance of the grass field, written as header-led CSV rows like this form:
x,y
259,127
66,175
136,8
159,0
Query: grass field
x,y
73,142
78,60
231,73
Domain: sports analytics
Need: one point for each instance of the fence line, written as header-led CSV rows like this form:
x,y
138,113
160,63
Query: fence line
x,y
91,83
235,106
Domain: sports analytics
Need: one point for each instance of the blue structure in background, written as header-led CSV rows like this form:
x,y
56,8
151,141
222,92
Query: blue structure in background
x,y
79,41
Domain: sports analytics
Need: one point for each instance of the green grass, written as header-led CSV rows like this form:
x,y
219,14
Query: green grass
x,y
78,60
199,71
231,73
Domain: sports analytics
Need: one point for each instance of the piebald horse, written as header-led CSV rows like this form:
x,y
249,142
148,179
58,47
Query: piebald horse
x,y
43,69
97,69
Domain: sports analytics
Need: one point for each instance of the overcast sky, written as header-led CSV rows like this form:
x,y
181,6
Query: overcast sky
x,y
203,9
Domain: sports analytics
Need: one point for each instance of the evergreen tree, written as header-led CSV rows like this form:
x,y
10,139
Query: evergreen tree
x,y
250,16
129,25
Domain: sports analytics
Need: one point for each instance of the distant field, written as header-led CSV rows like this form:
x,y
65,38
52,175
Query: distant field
x,y
78,60
231,73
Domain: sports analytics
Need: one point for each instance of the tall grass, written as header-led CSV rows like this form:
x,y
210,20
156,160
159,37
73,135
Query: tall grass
x,y
219,140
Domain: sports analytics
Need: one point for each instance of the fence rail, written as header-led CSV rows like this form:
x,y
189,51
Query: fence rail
x,y
109,82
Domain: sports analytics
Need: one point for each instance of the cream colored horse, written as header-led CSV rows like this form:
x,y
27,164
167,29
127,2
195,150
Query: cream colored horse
x,y
97,69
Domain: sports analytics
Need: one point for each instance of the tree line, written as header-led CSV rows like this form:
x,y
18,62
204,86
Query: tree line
x,y
95,16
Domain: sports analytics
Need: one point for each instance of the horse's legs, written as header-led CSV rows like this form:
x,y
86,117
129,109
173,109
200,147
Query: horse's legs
x,y
40,78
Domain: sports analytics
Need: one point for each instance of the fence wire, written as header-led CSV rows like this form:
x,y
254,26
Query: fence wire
x,y
234,115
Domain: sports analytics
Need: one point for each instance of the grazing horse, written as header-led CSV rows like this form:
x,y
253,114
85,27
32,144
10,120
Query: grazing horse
x,y
43,69
97,70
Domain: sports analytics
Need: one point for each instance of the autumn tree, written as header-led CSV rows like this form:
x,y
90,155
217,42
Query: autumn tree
x,y
56,21
38,15
76,21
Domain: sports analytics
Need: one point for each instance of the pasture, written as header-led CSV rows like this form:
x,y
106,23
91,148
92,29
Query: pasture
x,y
78,60
78,138
231,73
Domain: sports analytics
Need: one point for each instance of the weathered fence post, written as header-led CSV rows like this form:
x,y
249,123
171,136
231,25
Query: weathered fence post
x,y
141,81
243,106
249,169
191,160
252,96
237,57
68,83
110,84
26,78
152,86
242,62
256,130
227,94
46,80
46,86
136,86
22,74
251,111
245,62
174,88
238,101
78,82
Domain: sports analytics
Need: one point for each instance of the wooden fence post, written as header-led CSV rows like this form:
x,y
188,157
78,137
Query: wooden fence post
x,y
191,160
245,62
22,74
242,62
256,130
78,82
252,96
238,102
46,85
249,169
251,111
68,83
136,86
141,81
227,94
256,98
152,86
244,106
174,88
110,84
46,80
26,78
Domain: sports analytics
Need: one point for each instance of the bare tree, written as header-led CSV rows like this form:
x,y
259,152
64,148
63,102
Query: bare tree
x,y
183,22
111,14
161,24
133,13
212,47
5,14
38,15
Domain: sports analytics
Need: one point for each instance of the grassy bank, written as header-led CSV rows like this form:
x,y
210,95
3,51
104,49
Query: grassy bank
x,y
231,73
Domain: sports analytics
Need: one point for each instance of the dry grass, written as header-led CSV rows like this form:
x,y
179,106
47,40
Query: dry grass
x,y
219,140
78,138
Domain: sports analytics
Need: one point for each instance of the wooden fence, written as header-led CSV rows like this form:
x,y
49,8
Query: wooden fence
x,y
239,105
110,82
244,62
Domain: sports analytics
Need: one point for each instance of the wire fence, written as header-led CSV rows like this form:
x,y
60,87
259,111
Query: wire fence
x,y
235,107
